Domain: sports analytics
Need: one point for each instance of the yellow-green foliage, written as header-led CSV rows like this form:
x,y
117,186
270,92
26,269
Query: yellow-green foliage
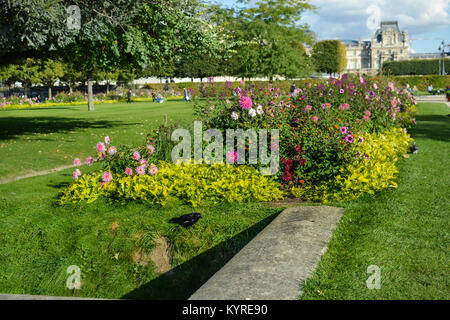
x,y
192,183
364,175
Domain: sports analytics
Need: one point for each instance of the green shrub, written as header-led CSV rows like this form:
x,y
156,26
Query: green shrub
x,y
412,67
192,183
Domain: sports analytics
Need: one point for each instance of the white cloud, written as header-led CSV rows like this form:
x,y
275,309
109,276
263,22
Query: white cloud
x,y
347,19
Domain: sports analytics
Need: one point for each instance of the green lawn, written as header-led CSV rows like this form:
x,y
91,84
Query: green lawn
x,y
39,139
111,243
405,231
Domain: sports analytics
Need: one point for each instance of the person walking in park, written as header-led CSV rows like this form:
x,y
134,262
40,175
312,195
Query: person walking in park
x,y
129,96
186,95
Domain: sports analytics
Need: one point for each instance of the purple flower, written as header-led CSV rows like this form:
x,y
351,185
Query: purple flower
x,y
343,130
349,138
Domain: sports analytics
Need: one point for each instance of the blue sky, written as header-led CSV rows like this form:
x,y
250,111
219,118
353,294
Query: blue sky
x,y
428,22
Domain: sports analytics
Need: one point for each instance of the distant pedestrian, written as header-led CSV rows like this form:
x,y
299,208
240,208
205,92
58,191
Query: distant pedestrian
x,y
447,93
430,89
293,88
129,96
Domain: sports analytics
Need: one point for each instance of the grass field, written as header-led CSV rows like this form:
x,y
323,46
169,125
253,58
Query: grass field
x,y
38,139
405,231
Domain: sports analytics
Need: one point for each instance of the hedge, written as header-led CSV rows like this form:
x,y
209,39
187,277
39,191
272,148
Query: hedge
x,y
205,89
413,67
422,82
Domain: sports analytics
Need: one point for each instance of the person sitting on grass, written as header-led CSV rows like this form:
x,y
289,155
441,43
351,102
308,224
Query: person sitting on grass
x,y
430,89
159,98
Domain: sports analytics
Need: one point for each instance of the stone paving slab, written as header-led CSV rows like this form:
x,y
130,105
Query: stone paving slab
x,y
274,263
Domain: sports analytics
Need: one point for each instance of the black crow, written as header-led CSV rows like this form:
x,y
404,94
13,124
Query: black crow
x,y
414,148
187,220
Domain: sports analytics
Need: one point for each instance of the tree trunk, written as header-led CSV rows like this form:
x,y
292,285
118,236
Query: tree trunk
x,y
90,93
49,92
25,90
70,88
107,86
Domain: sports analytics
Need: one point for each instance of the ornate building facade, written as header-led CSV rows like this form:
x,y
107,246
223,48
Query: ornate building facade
x,y
387,44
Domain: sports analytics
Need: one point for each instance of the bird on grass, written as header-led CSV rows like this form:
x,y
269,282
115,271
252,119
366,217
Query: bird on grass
x,y
187,220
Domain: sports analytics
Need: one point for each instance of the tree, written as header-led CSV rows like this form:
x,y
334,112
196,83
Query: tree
x,y
329,56
123,33
269,34
50,71
72,76
25,71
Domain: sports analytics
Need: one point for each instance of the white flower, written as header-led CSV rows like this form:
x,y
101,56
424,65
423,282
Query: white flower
x,y
259,109
252,112
234,115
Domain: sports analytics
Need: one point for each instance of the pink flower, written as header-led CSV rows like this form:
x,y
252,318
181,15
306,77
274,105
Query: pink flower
x,y
77,162
246,102
107,140
112,150
227,101
232,156
375,86
308,108
153,169
273,146
101,147
128,171
211,108
314,118
367,118
341,91
89,161
143,162
107,177
76,174
140,170
361,139
150,149
343,130
368,113
136,155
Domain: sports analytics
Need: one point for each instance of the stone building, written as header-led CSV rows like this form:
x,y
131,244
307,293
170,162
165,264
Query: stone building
x,y
387,44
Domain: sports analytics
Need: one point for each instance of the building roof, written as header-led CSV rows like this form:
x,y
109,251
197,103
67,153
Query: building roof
x,y
384,25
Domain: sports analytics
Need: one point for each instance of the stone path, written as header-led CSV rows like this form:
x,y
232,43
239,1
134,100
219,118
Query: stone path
x,y
33,174
274,264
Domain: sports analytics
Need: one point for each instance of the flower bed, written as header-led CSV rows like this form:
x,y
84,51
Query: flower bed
x,y
71,99
338,140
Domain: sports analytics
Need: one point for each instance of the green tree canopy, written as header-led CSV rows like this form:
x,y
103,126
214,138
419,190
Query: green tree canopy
x,y
329,56
268,34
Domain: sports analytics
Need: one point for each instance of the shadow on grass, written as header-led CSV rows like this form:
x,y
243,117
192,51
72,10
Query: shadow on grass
x,y
182,281
12,127
434,127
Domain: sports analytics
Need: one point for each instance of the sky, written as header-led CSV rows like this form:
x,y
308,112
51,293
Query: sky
x,y
427,21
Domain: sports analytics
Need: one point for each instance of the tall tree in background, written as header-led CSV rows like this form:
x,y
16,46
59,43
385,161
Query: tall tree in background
x,y
329,56
26,71
50,71
269,34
